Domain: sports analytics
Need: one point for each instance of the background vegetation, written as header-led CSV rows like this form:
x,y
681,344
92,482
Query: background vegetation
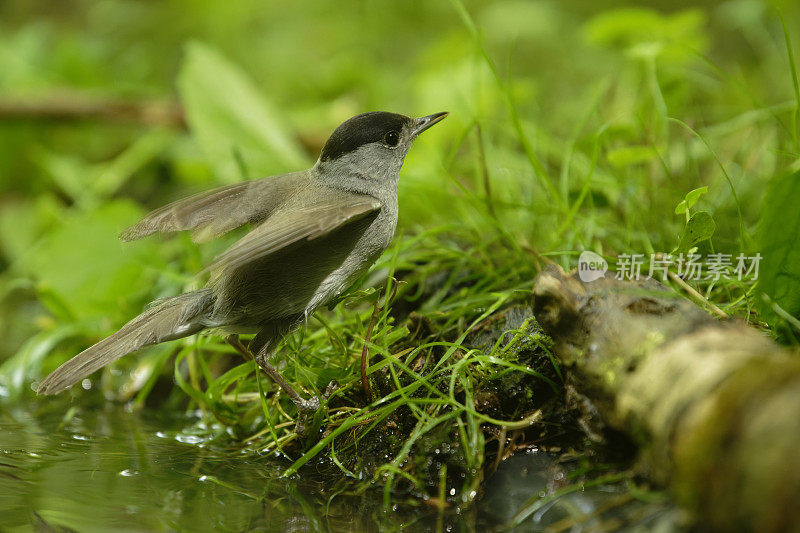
x,y
574,126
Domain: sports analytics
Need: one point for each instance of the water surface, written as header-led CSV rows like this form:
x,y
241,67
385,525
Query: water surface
x,y
110,469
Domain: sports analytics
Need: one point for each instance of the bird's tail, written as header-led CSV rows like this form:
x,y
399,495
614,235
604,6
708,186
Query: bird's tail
x,y
167,319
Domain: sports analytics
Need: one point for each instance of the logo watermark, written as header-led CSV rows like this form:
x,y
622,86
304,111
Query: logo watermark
x,y
695,267
591,266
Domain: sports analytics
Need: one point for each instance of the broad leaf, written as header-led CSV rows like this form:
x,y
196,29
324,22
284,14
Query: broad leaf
x,y
83,266
238,129
631,155
690,199
700,228
779,245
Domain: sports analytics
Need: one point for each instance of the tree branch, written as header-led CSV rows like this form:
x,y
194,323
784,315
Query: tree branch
x,y
76,106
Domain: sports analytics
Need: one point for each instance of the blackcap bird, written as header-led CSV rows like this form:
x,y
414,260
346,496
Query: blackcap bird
x,y
313,234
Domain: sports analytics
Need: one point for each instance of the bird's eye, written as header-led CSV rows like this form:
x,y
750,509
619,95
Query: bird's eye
x,y
392,138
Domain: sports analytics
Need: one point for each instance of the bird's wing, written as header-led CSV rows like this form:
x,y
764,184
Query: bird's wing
x,y
211,213
303,220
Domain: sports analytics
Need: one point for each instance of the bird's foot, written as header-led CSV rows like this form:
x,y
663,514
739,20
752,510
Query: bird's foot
x,y
332,387
307,409
304,407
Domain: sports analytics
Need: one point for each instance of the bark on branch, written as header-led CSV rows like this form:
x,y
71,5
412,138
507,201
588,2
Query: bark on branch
x,y
79,106
714,406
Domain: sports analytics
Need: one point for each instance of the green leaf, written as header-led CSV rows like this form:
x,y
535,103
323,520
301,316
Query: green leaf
x,y
779,245
87,268
22,222
238,129
646,32
631,155
689,200
693,196
90,183
699,228
17,372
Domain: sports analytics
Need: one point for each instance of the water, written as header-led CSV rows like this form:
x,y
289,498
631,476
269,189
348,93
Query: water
x,y
138,471
130,472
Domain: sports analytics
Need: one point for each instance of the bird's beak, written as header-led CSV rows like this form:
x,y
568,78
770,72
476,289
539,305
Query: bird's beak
x,y
423,123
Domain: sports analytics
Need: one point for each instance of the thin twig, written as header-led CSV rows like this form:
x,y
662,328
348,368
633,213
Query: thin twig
x,y
70,106
696,295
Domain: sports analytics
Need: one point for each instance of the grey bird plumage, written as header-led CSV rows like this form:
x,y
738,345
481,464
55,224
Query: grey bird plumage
x,y
313,234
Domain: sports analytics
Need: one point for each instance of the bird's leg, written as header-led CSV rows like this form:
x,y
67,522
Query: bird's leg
x,y
237,345
304,407
262,358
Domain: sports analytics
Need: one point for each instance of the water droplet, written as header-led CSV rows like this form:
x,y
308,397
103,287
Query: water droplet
x,y
129,473
189,439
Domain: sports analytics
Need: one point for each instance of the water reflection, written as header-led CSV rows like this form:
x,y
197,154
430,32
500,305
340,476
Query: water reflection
x,y
114,470
111,471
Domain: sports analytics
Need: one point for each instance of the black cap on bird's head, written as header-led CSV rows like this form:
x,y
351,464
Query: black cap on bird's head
x,y
389,129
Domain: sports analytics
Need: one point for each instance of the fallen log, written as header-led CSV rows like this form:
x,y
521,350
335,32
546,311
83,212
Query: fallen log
x,y
714,406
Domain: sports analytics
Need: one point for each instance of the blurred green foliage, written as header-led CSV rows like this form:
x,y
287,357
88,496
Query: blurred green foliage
x,y
779,239
574,126
571,99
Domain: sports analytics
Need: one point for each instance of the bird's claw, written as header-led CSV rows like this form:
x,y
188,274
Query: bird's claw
x,y
308,406
306,409
332,387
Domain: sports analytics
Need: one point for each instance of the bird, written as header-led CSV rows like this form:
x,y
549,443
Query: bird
x,y
313,233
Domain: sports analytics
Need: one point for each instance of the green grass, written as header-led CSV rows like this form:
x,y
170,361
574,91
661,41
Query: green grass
x,y
571,129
